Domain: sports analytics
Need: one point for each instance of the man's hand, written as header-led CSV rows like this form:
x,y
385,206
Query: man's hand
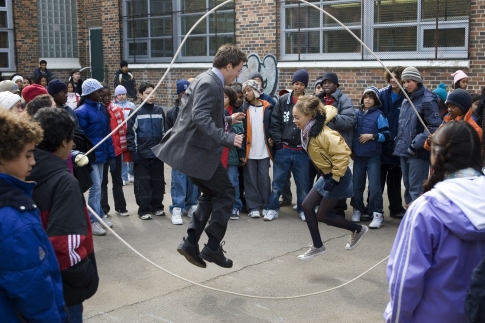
x,y
365,137
237,117
238,140
270,142
243,161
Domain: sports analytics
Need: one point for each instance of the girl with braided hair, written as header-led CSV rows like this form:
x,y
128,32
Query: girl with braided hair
x,y
442,236
331,156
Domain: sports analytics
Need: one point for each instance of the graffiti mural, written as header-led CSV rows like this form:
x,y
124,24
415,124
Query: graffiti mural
x,y
266,67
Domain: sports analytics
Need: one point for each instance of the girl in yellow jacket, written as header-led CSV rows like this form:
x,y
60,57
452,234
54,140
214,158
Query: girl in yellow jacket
x,y
331,156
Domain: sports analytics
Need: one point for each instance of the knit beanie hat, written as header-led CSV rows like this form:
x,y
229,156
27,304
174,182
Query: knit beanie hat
x,y
120,89
440,91
56,86
8,100
332,77
16,78
300,76
461,98
254,75
459,75
30,92
376,92
411,73
182,85
254,85
90,86
318,81
123,63
9,86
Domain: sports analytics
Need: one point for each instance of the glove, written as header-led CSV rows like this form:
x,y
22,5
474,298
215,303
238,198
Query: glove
x,y
411,150
112,164
79,158
330,185
135,158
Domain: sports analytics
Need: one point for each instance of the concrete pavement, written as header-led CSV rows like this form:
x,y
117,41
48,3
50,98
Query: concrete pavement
x,y
265,264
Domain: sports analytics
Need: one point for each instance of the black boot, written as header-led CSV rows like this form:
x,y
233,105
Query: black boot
x,y
191,253
216,257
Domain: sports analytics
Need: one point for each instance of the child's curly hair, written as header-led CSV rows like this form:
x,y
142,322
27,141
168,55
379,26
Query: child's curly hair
x,y
16,132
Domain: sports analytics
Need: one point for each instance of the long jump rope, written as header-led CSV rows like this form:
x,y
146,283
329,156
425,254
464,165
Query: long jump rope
x,y
152,93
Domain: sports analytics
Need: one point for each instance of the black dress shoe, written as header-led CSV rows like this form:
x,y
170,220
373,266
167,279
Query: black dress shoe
x,y
216,257
191,253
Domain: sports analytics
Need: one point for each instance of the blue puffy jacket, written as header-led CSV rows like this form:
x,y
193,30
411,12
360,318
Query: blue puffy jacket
x,y
94,121
30,277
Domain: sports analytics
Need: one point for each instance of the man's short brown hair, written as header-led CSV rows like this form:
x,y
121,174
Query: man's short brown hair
x,y
229,54
397,70
16,132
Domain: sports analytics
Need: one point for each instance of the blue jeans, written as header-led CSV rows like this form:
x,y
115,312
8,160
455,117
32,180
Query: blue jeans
x,y
94,197
369,167
75,313
286,160
184,193
126,168
233,173
414,172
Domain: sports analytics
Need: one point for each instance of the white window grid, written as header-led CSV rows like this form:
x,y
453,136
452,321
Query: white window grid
x,y
9,50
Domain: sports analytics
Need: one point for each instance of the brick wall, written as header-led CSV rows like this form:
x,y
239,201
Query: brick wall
x,y
111,36
26,37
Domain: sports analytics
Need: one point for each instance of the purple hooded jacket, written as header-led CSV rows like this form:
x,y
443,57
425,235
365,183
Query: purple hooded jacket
x,y
439,242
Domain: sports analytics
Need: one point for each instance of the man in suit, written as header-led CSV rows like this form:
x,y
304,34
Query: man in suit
x,y
194,147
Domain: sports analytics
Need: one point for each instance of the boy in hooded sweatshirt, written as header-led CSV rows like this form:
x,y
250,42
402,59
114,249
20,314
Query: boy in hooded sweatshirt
x,y
65,218
30,278
125,78
442,236
372,129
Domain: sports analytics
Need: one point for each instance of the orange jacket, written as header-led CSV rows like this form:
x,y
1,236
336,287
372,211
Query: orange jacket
x,y
468,118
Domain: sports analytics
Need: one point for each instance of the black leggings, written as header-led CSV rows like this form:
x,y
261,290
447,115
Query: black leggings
x,y
325,206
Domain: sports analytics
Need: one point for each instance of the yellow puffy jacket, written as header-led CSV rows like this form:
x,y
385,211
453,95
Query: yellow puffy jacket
x,y
327,148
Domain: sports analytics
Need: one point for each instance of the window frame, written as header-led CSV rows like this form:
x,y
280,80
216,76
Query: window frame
x,y
367,28
11,37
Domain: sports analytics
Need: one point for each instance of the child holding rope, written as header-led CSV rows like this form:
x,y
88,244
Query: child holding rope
x,y
331,155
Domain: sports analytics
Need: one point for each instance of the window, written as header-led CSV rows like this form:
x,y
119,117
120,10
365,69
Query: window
x,y
57,28
7,59
394,29
155,28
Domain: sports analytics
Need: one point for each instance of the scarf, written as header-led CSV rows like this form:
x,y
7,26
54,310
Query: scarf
x,y
305,138
328,100
118,114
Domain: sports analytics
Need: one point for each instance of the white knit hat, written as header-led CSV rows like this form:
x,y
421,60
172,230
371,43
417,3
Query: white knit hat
x,y
8,100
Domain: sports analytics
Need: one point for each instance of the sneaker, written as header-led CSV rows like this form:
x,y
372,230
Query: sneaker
x,y
177,218
355,238
254,214
377,222
271,215
399,215
264,212
301,214
235,214
97,229
147,216
191,211
122,212
124,183
356,216
216,257
159,212
131,178
108,223
313,252
294,207
365,217
284,202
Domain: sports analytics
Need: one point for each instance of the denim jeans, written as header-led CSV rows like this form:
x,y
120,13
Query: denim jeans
x,y
94,196
233,173
369,167
184,193
286,160
75,313
127,168
414,172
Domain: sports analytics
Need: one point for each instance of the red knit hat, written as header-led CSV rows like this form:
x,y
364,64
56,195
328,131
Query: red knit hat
x,y
31,91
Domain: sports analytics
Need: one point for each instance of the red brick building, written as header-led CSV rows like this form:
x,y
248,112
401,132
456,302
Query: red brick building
x,y
437,36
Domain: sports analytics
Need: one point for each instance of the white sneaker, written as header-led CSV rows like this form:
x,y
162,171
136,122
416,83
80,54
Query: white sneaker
x,y
147,216
177,218
190,212
302,216
124,183
356,216
235,214
108,223
355,238
377,222
131,178
271,215
294,207
97,229
254,214
159,213
264,212
313,252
